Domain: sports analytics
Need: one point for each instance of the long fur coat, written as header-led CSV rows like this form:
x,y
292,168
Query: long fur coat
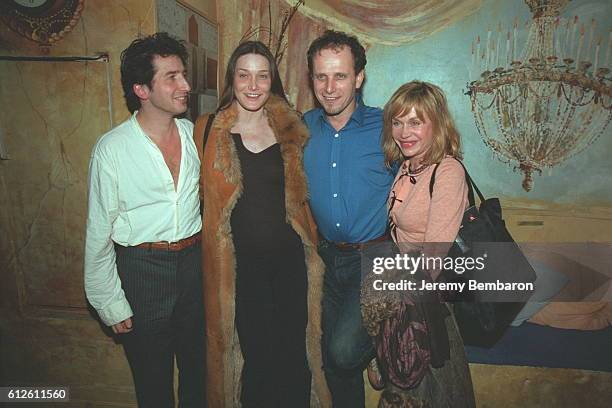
x,y
220,188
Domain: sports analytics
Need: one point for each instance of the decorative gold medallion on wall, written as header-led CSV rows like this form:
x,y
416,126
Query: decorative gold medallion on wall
x,y
42,21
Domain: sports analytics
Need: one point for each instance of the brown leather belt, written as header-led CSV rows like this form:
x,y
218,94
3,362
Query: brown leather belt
x,y
345,246
172,246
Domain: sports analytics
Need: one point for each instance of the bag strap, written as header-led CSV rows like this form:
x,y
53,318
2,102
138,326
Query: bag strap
x,y
471,185
209,123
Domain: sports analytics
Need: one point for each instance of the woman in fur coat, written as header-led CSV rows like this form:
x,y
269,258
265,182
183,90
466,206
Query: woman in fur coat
x,y
262,274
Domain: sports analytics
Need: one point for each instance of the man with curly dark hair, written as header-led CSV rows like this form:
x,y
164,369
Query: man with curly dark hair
x,y
142,249
349,185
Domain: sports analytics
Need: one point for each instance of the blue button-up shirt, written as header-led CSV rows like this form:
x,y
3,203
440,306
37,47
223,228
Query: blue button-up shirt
x,y
348,181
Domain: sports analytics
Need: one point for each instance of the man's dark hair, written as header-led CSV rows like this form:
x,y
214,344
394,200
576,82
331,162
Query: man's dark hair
x,y
244,48
335,40
137,63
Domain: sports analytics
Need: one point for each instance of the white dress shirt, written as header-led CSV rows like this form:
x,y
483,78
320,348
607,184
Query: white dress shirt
x,y
132,200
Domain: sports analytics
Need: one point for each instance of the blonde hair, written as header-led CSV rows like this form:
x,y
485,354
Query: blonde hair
x,y
427,99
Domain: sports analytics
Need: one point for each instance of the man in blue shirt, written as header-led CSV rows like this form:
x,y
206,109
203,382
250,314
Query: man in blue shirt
x,y
349,185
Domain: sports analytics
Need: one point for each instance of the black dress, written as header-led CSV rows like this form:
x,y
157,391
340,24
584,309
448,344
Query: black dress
x,y
271,286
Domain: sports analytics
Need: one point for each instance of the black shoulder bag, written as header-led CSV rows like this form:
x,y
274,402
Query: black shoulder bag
x,y
481,317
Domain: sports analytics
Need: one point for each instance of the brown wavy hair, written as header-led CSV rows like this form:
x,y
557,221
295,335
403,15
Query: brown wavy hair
x,y
427,100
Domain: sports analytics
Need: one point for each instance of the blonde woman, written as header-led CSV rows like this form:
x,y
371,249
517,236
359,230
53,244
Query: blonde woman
x,y
418,131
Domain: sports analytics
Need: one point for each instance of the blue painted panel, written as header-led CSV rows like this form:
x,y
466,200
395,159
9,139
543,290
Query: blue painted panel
x,y
444,58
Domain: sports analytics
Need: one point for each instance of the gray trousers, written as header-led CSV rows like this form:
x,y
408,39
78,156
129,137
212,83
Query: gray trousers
x,y
164,290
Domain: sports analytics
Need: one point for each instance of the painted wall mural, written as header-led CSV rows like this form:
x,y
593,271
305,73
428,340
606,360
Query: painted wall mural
x,y
445,58
540,101
412,40
390,22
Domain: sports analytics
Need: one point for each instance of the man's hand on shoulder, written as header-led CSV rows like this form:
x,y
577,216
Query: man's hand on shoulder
x,y
123,327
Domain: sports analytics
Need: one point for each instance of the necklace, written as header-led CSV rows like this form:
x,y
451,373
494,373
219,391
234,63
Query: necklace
x,y
413,173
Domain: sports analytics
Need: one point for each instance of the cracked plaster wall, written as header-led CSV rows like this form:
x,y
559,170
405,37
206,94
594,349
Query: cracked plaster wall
x,y
54,112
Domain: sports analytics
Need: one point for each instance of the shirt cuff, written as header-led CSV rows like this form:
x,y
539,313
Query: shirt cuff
x,y
115,312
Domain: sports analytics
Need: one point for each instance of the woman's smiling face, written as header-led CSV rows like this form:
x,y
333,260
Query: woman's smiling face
x,y
252,81
413,135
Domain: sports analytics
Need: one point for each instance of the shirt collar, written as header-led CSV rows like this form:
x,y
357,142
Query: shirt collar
x,y
139,129
357,115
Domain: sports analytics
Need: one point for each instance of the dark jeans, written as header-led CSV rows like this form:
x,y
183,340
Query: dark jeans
x,y
271,319
347,348
164,290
